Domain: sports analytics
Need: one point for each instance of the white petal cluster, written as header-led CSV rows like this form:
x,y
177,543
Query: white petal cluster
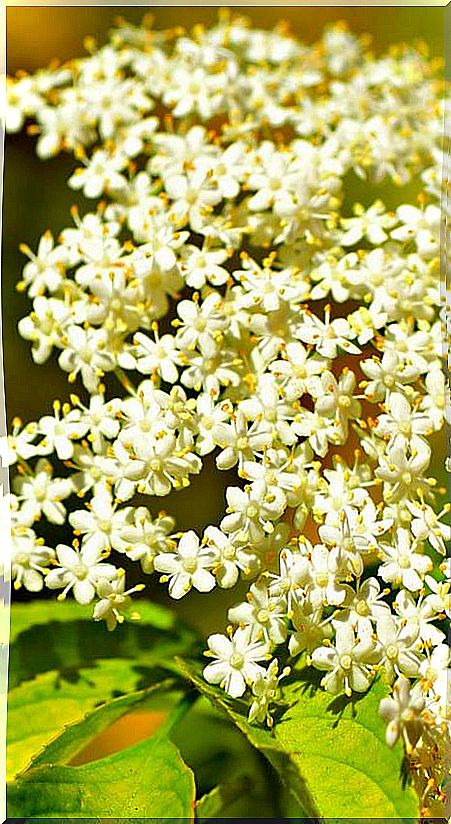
x,y
304,348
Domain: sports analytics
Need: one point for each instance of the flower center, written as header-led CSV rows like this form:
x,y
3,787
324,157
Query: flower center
x,y
85,354
405,428
104,525
21,558
346,662
362,608
252,511
236,660
391,652
190,564
80,571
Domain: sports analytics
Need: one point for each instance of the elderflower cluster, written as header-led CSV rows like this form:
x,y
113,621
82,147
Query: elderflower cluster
x,y
247,309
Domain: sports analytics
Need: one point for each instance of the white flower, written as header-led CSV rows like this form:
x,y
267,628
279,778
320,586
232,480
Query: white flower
x,y
200,324
418,617
402,713
265,615
22,100
59,433
86,352
194,89
229,558
100,419
435,666
159,356
29,560
202,265
296,369
188,567
386,375
102,173
193,198
79,570
45,270
397,647
334,399
293,577
19,443
370,224
435,403
311,629
328,336
363,606
209,416
44,326
236,662
100,523
326,573
421,226
348,663
273,180
264,690
114,600
251,510
426,525
144,537
402,565
223,158
440,598
401,422
401,471
42,494
239,442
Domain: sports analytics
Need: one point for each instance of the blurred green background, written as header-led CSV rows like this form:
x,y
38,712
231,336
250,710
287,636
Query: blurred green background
x,y
36,198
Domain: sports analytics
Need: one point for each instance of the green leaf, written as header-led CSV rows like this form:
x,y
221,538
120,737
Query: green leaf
x,y
73,640
38,710
76,736
147,780
36,613
219,754
261,739
340,748
330,752
218,801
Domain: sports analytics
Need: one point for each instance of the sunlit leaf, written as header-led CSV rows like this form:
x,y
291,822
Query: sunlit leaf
x,y
148,780
72,640
330,752
38,710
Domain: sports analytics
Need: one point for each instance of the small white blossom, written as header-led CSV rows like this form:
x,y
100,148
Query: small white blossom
x,y
188,567
237,661
402,713
80,571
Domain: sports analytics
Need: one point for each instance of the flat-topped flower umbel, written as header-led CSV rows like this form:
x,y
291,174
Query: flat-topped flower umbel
x,y
305,350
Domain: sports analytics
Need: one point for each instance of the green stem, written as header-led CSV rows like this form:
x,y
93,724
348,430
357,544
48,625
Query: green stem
x,y
125,381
